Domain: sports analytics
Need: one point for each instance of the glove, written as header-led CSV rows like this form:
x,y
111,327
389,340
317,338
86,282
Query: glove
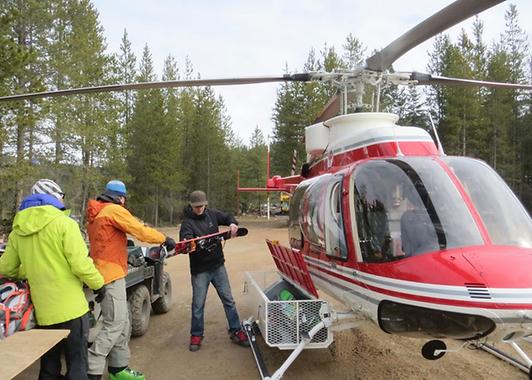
x,y
234,229
100,294
169,243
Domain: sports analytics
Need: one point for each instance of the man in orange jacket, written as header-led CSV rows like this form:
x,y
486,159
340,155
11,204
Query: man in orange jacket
x,y
108,223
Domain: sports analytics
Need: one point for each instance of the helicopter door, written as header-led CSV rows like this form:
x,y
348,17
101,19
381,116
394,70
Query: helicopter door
x,y
312,214
334,226
318,202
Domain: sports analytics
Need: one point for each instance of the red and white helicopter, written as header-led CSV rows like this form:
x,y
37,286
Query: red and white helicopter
x,y
423,244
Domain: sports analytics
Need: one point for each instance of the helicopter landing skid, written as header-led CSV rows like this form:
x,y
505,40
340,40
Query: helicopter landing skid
x,y
524,365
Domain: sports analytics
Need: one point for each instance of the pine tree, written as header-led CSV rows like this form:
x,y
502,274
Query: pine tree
x,y
526,136
354,53
25,37
127,73
499,105
88,65
209,156
435,66
174,184
124,71
253,173
147,162
455,115
478,128
413,113
516,46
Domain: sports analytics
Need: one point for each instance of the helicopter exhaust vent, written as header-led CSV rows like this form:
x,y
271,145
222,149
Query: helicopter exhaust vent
x,y
477,290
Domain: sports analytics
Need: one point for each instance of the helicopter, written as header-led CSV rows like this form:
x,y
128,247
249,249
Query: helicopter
x,y
423,244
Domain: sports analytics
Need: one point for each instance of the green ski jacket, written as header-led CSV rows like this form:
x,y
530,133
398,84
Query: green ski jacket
x,y
46,248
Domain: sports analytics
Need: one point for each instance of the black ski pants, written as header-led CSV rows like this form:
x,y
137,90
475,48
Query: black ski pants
x,y
74,347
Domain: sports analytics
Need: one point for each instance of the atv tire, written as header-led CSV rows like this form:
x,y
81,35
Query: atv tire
x,y
140,306
164,302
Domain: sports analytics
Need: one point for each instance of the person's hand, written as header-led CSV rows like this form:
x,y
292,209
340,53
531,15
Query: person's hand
x,y
169,243
100,294
234,228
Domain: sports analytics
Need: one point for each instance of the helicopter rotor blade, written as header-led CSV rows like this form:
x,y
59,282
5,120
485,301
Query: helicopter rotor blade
x,y
428,79
303,77
435,24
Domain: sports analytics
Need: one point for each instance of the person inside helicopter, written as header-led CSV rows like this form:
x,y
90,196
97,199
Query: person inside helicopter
x,y
418,232
372,217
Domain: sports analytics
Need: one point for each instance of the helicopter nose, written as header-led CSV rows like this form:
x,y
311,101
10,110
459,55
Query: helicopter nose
x,y
502,267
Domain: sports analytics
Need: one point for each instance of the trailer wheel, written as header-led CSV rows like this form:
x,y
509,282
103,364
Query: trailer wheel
x,y
139,303
164,302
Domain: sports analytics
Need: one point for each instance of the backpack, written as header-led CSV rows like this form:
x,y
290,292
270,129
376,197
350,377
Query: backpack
x,y
16,309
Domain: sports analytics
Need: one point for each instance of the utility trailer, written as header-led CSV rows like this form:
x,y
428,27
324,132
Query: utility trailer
x,y
287,312
284,313
286,317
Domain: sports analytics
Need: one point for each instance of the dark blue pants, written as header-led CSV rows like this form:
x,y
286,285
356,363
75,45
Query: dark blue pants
x,y
200,286
74,347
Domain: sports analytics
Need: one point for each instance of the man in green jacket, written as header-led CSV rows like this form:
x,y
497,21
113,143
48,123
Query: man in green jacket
x,y
46,247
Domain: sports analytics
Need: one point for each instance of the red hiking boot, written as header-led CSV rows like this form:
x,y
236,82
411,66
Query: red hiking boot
x,y
239,337
195,343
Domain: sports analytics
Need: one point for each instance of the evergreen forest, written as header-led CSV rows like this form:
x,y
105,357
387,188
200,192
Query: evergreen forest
x,y
164,143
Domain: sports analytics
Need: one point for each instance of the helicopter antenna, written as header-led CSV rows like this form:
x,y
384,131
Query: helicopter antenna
x,y
435,131
378,96
399,151
344,100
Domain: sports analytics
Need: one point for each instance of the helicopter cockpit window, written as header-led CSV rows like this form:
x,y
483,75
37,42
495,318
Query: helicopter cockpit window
x,y
506,220
407,207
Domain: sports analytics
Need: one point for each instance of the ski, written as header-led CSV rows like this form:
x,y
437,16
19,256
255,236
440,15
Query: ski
x,y
205,242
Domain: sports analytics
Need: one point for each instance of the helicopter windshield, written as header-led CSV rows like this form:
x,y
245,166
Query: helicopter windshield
x,y
409,206
505,218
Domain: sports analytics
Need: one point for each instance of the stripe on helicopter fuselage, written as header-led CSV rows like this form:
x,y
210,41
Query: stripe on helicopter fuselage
x,y
372,142
348,289
375,301
506,298
380,140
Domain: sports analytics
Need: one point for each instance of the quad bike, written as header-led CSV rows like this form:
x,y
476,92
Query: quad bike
x,y
148,288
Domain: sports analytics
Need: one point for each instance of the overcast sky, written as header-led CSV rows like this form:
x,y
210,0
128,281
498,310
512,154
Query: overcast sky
x,y
234,38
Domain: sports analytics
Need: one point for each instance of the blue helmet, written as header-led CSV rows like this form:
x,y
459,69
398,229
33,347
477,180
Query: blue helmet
x,y
116,187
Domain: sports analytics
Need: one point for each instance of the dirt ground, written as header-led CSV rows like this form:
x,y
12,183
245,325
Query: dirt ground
x,y
363,353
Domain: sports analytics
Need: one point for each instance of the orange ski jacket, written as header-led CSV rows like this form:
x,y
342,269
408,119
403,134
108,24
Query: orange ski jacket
x,y
108,224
